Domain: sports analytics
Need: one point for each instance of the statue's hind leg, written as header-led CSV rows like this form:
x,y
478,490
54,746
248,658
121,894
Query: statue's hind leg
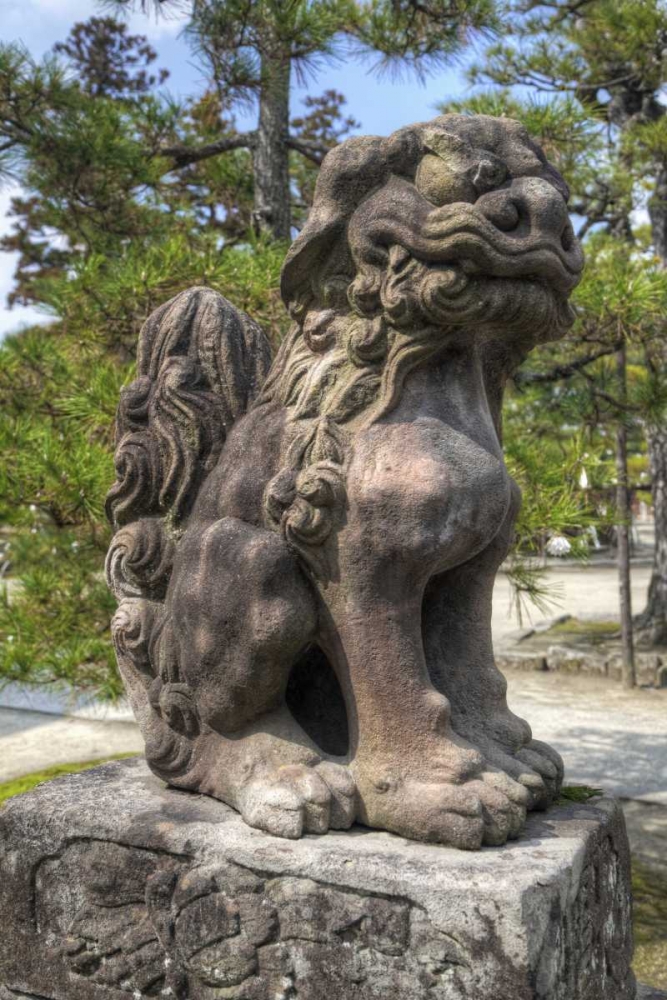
x,y
208,684
456,623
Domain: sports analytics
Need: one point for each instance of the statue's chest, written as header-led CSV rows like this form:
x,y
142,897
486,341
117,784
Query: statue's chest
x,y
429,489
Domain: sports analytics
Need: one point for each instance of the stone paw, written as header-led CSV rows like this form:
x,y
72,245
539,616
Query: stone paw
x,y
548,764
504,806
536,767
294,799
517,770
487,810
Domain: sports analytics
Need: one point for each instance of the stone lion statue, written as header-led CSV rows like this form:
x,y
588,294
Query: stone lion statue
x,y
305,549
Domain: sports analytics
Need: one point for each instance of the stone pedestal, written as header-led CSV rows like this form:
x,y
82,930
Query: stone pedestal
x,y
112,887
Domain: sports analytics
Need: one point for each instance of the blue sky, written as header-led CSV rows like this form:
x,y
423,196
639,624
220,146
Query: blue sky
x,y
380,104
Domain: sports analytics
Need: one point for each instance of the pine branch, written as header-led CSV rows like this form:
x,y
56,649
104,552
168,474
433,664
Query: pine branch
x,y
183,156
607,398
560,372
310,150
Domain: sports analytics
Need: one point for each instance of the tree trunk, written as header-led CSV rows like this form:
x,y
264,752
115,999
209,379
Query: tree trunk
x,y
623,515
271,212
653,620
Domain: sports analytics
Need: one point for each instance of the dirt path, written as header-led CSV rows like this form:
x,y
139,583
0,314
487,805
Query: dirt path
x,y
608,737
31,741
580,591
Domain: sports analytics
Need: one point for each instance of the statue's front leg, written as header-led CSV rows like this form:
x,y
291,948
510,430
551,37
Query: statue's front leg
x,y
459,653
415,775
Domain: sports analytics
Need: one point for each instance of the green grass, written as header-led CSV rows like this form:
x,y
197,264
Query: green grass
x,y
649,888
591,631
578,793
17,786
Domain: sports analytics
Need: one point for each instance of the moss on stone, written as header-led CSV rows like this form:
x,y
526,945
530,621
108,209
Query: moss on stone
x,y
649,888
578,793
17,786
591,632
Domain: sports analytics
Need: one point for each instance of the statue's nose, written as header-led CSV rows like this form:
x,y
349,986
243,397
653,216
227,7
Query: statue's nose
x,y
529,207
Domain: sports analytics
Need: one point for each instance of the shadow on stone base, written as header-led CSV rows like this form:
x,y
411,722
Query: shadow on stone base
x,y
113,887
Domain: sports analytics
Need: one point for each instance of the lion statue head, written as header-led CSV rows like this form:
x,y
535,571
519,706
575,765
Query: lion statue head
x,y
459,223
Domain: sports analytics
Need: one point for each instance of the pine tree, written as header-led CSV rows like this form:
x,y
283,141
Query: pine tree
x,y
108,61
77,146
129,198
105,240
253,50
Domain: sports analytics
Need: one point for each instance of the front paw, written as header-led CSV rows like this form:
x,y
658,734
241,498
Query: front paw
x,y
294,799
548,764
423,804
536,767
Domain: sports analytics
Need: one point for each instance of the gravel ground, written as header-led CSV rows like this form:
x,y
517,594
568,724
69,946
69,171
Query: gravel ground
x,y
609,738
581,591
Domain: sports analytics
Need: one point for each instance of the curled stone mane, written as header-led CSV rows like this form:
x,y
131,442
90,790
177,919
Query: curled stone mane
x,y
384,276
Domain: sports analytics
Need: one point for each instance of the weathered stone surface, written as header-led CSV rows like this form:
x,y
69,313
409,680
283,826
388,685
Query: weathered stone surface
x,y
647,666
650,993
305,549
579,659
113,886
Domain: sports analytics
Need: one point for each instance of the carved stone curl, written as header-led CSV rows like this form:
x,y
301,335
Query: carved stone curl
x,y
306,550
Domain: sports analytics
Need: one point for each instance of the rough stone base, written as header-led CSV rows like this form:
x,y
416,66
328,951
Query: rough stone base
x,y
649,993
112,887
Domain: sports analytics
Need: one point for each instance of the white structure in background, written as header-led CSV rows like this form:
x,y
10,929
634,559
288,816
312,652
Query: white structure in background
x,y
592,531
558,545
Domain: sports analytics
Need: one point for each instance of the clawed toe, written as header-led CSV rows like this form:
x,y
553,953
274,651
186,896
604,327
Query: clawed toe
x,y
296,799
343,794
548,753
545,762
275,808
514,803
534,773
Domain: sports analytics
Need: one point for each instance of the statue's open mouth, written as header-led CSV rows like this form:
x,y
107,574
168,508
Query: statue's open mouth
x,y
478,247
461,236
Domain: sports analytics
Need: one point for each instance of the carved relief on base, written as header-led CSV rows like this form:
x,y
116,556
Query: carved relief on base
x,y
147,924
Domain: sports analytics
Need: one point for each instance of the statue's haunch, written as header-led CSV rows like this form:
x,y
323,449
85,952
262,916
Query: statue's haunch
x,y
305,549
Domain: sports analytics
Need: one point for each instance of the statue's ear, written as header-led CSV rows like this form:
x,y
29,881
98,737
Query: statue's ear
x,y
307,255
348,174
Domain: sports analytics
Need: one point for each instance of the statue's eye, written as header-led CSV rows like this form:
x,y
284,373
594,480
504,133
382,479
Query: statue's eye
x,y
490,174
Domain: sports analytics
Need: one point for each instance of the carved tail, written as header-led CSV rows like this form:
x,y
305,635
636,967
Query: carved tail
x,y
201,363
